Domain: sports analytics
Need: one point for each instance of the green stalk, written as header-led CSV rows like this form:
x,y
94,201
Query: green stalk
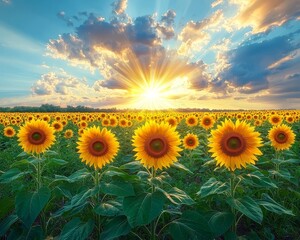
x,y
153,173
232,192
97,200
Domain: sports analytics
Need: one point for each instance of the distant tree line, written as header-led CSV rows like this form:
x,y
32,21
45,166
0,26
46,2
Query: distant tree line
x,y
53,108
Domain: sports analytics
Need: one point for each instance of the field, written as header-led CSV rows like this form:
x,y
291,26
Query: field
x,y
150,175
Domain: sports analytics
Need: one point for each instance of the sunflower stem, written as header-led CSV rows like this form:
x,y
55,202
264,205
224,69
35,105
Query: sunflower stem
x,y
153,173
39,173
232,193
97,200
39,170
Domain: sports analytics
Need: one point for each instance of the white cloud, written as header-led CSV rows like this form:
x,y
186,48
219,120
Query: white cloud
x,y
264,15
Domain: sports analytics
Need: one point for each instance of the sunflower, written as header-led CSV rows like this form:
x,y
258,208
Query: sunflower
x,y
113,122
190,141
46,118
105,122
282,137
172,121
235,144
69,133
191,121
129,123
82,124
58,126
290,119
9,131
36,136
275,119
123,123
156,145
97,147
258,122
207,122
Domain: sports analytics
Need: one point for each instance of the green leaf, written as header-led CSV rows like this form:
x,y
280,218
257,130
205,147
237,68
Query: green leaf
x,y
212,186
291,161
22,154
51,153
191,225
12,175
57,161
77,202
109,208
285,174
133,166
248,207
29,205
6,205
117,227
20,163
6,223
117,188
77,230
181,167
220,222
79,175
257,179
160,179
177,196
144,208
271,205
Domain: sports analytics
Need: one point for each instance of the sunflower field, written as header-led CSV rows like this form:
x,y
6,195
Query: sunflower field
x,y
150,175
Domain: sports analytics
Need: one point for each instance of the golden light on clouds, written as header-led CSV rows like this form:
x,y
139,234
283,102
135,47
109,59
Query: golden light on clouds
x,y
154,82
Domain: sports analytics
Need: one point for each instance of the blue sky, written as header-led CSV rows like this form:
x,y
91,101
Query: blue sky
x,y
228,54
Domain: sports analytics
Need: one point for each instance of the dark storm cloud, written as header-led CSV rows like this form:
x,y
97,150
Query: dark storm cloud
x,y
248,68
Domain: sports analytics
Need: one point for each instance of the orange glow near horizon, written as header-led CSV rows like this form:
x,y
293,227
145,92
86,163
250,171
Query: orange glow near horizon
x,y
151,85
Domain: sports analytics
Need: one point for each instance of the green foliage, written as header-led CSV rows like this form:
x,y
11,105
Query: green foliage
x,y
247,206
115,228
77,230
56,195
144,208
29,205
212,186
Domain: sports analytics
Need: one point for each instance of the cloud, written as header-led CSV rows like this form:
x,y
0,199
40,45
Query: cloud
x,y
60,83
134,59
6,1
62,15
247,68
195,36
288,85
216,3
165,27
64,89
119,6
264,15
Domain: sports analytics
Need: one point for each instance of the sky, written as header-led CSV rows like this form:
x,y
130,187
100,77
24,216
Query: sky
x,y
215,54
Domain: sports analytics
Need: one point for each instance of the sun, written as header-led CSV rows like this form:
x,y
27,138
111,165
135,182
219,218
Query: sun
x,y
152,97
151,94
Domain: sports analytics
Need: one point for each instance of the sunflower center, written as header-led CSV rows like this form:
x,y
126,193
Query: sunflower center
x,y
37,137
191,142
275,120
9,132
281,137
157,147
207,121
233,144
98,148
191,121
